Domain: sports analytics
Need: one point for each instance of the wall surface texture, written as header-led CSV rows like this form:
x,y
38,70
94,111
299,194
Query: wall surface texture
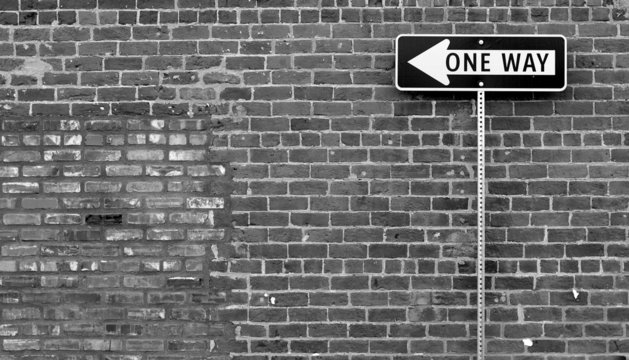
x,y
205,179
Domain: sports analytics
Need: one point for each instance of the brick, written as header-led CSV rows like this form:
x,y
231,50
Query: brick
x,y
205,203
20,187
159,4
236,94
21,344
125,63
36,95
77,4
102,186
187,155
8,171
145,345
116,4
63,219
143,155
10,5
21,219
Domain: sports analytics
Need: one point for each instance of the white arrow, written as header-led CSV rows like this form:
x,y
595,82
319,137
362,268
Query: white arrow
x,y
433,62
438,62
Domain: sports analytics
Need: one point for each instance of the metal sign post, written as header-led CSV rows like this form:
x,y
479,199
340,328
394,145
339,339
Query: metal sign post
x,y
480,262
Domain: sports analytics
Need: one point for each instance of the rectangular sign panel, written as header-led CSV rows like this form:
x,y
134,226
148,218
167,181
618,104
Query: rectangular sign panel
x,y
480,62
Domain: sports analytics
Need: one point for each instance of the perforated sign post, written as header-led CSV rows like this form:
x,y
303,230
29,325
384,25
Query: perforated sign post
x,y
480,63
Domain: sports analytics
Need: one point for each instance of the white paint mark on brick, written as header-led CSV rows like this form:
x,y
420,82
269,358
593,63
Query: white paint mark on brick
x,y
34,67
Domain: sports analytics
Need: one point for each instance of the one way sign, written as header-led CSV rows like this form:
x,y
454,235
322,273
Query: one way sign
x,y
480,62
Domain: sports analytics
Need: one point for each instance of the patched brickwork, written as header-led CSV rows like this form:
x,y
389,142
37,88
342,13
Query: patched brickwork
x,y
350,232
113,239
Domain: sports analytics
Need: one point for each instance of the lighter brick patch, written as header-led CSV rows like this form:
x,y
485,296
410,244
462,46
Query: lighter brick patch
x,y
20,344
71,140
205,203
206,234
8,266
21,219
62,155
63,219
145,155
8,171
123,234
52,140
186,155
62,187
20,187
69,125
8,330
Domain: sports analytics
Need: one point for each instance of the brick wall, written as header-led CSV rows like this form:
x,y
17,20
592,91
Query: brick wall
x,y
313,211
113,239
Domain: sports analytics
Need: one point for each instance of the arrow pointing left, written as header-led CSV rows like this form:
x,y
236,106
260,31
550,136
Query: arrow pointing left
x,y
432,62
438,62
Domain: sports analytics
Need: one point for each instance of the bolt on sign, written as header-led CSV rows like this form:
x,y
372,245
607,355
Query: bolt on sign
x,y
480,62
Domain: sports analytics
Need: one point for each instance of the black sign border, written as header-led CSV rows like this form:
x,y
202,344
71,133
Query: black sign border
x,y
487,79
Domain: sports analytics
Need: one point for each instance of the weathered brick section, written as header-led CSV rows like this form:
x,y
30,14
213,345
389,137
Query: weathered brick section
x,y
353,203
113,239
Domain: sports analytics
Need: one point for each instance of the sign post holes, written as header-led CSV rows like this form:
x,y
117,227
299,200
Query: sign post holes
x,y
480,226
480,63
